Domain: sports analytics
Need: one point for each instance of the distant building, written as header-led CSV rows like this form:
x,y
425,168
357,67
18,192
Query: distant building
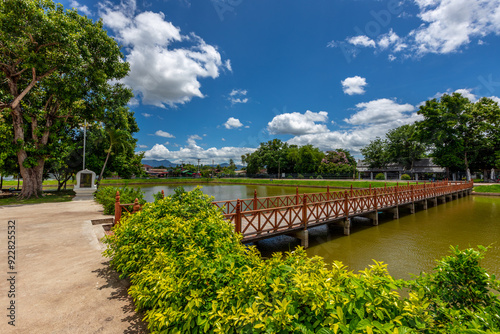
x,y
422,169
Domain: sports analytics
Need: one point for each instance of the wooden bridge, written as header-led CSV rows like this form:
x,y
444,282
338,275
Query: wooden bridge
x,y
265,217
260,218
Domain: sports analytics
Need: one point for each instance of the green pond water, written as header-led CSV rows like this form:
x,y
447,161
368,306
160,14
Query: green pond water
x,y
227,192
409,245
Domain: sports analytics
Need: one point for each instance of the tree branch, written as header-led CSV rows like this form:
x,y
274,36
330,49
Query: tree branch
x,y
32,84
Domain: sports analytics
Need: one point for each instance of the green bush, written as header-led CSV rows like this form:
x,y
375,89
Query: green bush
x,y
460,294
106,196
319,177
190,274
405,177
380,176
300,176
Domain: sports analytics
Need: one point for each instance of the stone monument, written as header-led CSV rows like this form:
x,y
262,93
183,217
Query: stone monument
x,y
85,182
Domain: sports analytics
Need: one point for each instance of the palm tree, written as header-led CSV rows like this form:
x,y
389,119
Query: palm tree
x,y
118,139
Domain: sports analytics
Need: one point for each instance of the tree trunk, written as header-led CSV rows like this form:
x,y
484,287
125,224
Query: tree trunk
x,y
104,166
467,171
32,180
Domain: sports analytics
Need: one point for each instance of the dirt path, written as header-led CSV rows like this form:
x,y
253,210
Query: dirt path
x,y
62,282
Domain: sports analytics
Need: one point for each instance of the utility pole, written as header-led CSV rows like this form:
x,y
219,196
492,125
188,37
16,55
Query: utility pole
x,y
84,141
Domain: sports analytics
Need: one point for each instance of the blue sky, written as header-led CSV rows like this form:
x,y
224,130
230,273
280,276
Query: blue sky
x,y
214,78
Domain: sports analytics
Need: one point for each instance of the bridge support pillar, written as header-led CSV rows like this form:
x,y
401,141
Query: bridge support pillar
x,y
347,226
303,235
443,199
395,212
374,217
412,207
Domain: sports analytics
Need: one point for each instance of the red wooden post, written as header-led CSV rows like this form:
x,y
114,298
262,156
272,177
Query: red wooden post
x,y
396,193
118,208
375,199
237,222
304,211
412,198
297,196
327,193
136,207
255,199
162,194
346,204
351,189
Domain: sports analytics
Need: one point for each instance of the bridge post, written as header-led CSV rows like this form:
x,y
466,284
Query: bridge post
x,y
347,221
327,193
255,199
136,206
237,219
162,194
304,211
351,190
303,235
396,199
118,208
297,196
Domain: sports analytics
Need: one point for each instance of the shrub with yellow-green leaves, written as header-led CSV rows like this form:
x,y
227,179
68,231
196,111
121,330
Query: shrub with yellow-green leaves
x,y
190,274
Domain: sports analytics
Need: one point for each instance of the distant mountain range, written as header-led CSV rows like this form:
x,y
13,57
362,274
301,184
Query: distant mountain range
x,y
158,163
168,163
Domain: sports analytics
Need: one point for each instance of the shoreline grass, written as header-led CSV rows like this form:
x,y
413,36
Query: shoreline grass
x,y
272,182
494,188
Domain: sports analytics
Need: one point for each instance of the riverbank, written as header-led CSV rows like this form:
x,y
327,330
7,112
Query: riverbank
x,y
251,181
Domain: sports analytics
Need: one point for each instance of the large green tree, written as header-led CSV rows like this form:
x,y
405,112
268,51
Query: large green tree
x,y
402,146
55,70
463,135
376,153
445,128
272,155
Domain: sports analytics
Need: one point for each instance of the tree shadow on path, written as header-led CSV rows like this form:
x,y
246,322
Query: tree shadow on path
x,y
120,288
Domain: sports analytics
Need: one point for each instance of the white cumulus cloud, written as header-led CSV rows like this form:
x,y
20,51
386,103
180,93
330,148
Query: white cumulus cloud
x,y
378,111
372,119
219,155
232,123
162,72
162,133
354,85
297,124
82,9
362,40
238,96
445,26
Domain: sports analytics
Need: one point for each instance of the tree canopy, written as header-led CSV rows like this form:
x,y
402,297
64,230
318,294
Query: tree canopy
x,y
461,134
279,157
56,69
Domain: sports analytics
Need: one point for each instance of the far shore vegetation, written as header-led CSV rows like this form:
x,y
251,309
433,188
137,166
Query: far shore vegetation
x,y
323,183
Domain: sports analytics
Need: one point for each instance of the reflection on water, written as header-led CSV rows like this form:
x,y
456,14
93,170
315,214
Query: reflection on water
x,y
408,245
228,192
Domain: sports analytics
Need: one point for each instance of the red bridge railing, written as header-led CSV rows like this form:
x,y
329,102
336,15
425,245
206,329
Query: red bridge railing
x,y
258,215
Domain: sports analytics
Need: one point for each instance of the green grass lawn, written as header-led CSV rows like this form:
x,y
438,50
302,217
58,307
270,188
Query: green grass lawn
x,y
488,189
47,197
304,182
